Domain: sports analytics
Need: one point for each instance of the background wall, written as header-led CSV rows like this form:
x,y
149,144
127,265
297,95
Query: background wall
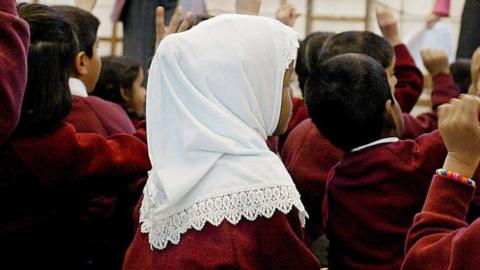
x,y
325,15
332,15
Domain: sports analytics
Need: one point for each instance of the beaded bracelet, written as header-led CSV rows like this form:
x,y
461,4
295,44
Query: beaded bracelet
x,y
457,177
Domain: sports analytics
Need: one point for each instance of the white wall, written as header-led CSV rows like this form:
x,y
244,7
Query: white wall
x,y
415,12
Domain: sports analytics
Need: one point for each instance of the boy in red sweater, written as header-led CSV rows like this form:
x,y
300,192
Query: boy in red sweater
x,y
381,182
90,114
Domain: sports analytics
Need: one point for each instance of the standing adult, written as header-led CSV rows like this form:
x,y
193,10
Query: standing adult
x,y
469,36
138,19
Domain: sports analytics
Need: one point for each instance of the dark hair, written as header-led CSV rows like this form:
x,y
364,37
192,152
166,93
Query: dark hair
x,y
116,73
84,24
461,73
346,99
52,49
358,42
308,54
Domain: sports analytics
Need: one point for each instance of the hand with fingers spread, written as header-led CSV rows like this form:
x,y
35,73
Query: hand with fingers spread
x,y
287,14
435,61
175,26
460,128
475,73
389,26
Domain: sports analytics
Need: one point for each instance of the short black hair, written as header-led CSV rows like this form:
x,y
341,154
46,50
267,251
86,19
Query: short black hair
x,y
363,42
51,55
84,24
346,99
461,73
117,72
308,54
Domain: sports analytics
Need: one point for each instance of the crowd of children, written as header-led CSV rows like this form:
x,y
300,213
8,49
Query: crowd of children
x,y
215,165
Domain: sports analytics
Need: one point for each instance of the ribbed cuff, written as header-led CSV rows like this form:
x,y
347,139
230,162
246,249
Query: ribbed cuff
x,y
448,197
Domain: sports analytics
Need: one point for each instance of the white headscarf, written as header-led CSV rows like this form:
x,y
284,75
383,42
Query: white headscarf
x,y
214,95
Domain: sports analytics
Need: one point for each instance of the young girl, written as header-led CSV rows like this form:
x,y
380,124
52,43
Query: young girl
x,y
121,82
216,196
50,174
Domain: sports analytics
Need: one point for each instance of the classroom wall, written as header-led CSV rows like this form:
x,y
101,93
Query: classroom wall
x,y
411,14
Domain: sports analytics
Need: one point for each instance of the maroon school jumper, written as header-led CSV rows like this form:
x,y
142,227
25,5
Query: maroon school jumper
x,y
410,79
48,182
444,89
308,157
407,90
372,197
95,115
265,243
440,238
14,41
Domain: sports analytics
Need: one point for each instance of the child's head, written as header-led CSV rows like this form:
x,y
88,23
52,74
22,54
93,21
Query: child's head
x,y
52,49
307,55
363,42
121,82
461,73
351,102
87,60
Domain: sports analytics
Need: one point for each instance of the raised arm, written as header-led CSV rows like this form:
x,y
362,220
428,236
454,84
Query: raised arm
x,y
410,79
443,86
440,238
14,41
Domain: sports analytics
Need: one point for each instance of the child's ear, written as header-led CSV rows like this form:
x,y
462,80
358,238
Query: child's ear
x,y
389,115
124,94
81,64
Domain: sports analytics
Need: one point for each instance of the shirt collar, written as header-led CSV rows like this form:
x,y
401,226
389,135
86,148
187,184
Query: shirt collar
x,y
77,87
384,140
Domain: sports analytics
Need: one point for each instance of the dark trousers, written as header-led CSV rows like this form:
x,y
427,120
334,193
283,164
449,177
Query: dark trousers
x,y
138,17
469,39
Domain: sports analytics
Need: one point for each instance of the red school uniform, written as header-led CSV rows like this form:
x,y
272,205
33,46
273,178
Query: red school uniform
x,y
410,79
94,115
309,157
444,89
372,197
14,41
407,90
48,182
440,238
265,243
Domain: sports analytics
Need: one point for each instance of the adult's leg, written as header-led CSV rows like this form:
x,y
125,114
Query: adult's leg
x,y
470,29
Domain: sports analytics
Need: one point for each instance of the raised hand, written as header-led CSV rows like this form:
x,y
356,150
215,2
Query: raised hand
x,y
175,26
458,123
389,26
475,73
287,14
435,61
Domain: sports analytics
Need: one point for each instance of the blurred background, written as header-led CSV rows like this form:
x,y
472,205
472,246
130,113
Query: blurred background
x,y
314,15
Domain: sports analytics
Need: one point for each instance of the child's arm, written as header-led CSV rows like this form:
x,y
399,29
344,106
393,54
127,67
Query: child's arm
x,y
440,238
475,73
14,41
175,26
444,88
50,157
410,79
